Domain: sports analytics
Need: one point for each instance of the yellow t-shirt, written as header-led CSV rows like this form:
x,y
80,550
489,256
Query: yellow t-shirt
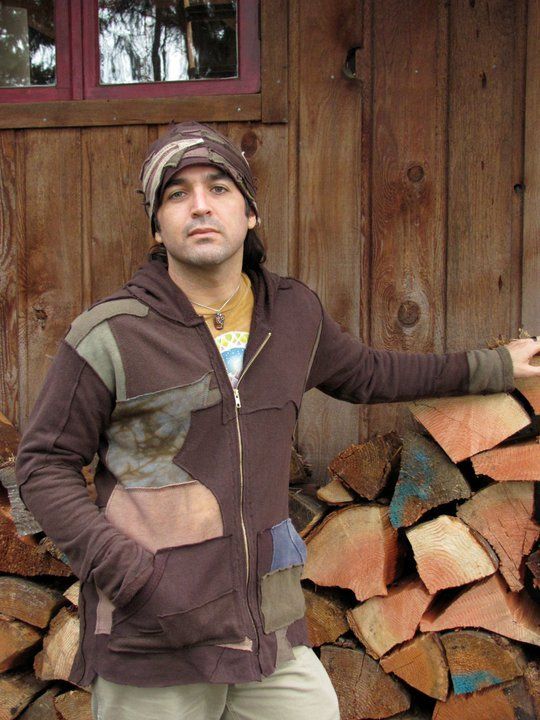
x,y
233,337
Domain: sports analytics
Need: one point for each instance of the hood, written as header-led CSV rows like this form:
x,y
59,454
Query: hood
x,y
153,286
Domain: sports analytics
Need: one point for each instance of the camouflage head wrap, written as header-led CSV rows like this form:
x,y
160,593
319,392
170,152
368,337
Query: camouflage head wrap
x,y
191,143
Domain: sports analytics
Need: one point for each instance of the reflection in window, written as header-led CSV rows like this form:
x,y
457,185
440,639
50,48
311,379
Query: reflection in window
x,y
155,41
27,43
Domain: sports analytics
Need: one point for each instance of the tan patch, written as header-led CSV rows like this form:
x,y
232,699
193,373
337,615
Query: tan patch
x,y
282,599
146,432
284,651
100,350
246,645
167,516
86,322
104,613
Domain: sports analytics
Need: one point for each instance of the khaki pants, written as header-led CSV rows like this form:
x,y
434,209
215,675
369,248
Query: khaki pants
x,y
299,689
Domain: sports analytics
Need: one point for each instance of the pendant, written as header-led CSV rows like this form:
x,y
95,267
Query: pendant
x,y
219,321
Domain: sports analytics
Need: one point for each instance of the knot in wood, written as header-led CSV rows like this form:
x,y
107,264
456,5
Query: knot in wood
x,y
40,316
409,313
249,143
415,173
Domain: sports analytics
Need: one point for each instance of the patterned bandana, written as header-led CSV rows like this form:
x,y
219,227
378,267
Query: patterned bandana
x,y
192,143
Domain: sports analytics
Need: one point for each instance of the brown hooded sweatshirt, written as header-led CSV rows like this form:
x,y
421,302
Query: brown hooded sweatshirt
x,y
189,566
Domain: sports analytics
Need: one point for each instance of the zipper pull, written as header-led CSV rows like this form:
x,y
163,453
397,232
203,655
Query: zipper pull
x,y
237,398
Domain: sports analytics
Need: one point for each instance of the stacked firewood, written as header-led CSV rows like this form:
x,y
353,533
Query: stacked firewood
x,y
422,567
39,628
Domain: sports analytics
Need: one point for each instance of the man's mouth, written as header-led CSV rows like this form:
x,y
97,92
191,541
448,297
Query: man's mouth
x,y
203,231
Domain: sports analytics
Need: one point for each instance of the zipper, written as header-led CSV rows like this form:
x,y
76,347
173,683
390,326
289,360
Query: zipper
x,y
238,405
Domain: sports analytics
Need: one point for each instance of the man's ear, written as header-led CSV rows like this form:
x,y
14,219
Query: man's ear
x,y
252,220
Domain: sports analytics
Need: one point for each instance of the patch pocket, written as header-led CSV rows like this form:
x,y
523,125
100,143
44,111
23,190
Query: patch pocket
x,y
212,623
190,599
288,547
281,557
282,598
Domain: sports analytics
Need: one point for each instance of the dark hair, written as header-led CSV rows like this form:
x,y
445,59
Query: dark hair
x,y
254,252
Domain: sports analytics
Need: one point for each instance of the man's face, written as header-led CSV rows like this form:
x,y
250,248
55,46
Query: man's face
x,y
202,218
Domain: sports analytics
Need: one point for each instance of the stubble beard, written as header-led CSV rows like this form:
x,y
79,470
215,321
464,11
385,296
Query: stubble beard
x,y
204,253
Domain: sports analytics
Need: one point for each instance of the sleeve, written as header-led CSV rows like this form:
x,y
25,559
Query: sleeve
x,y
63,434
346,369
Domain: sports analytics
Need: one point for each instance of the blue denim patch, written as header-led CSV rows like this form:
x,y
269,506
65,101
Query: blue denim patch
x,y
289,548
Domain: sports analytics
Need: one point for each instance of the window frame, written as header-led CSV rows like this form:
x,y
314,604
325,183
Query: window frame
x,y
77,63
66,16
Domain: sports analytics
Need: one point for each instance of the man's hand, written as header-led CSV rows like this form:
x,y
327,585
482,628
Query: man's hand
x,y
521,352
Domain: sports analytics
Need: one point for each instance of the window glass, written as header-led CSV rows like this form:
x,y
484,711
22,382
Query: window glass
x,y
27,43
155,41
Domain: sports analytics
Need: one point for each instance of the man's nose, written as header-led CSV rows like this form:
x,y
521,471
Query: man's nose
x,y
200,203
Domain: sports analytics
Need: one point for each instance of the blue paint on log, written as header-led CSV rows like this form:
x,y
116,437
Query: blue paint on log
x,y
470,682
414,482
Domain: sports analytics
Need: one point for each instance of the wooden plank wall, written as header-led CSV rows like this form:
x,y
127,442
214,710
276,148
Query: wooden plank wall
x,y
406,195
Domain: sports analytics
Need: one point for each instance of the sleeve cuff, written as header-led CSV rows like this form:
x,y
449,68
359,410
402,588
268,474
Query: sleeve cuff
x,y
490,371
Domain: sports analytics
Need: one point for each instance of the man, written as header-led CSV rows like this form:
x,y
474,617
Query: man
x,y
187,383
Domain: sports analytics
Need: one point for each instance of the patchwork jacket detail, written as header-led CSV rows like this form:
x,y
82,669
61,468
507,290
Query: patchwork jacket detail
x,y
146,432
189,565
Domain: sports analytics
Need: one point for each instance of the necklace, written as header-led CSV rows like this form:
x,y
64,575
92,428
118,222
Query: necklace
x,y
219,317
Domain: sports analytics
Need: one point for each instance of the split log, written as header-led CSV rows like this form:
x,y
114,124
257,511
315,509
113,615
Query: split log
x,y
427,479
488,604
449,554
299,471
43,707
532,683
305,511
17,641
46,545
17,690
74,705
60,645
25,522
72,593
502,514
533,563
530,388
365,468
335,493
380,623
9,441
28,601
354,547
21,555
477,660
421,663
372,694
464,426
325,616
509,701
520,461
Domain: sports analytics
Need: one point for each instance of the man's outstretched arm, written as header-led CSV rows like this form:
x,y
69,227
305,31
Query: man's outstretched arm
x,y
349,370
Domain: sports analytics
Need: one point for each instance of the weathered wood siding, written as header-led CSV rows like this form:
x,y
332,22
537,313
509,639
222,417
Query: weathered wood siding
x,y
407,197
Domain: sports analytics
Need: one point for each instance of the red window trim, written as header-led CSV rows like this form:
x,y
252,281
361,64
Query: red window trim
x,y
77,38
248,80
66,17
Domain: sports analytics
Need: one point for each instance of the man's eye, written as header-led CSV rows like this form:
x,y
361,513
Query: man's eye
x,y
219,189
176,194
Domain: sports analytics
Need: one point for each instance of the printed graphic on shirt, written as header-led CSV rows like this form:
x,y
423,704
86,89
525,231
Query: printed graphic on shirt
x,y
232,345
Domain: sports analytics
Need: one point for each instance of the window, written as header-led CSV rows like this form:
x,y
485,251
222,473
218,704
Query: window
x,y
91,49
